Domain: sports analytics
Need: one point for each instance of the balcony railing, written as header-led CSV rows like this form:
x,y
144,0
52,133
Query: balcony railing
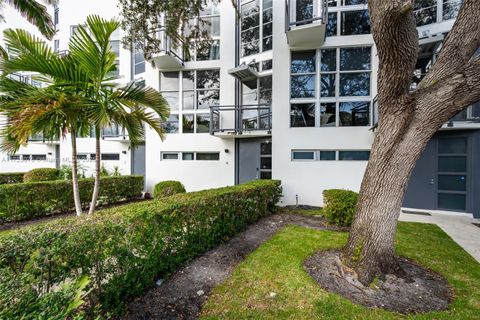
x,y
240,119
305,23
167,56
25,78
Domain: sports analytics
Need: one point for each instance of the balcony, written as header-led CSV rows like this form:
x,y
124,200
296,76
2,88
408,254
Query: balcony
x,y
305,23
167,58
115,133
39,138
241,121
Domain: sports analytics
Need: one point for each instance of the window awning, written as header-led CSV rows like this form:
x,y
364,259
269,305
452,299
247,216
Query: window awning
x,y
246,74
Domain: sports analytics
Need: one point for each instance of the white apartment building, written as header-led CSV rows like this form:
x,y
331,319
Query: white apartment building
x,y
285,92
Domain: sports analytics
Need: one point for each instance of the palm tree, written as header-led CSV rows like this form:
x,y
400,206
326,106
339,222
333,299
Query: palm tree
x,y
36,13
128,106
56,109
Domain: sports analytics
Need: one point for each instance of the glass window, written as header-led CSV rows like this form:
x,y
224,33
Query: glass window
x,y
328,114
355,58
203,123
452,182
188,80
207,98
208,79
452,164
355,84
266,148
327,155
328,60
304,10
266,163
303,62
332,24
355,22
172,100
139,62
256,26
14,157
354,155
354,114
110,156
354,2
172,124
425,11
303,155
188,156
188,123
265,90
452,145
209,50
451,201
303,86
39,157
451,8
302,115
265,175
81,157
188,100
208,156
26,157
327,85
169,81
169,155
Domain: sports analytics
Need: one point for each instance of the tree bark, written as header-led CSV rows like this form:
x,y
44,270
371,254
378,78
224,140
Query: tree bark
x,y
407,121
96,187
76,190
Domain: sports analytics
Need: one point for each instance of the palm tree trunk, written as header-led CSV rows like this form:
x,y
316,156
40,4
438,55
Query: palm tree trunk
x,y
76,190
96,187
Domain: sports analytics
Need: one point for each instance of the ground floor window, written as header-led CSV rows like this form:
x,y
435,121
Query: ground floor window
x,y
330,155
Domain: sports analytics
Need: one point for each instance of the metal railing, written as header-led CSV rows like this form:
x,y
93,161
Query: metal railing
x,y
240,118
322,17
166,45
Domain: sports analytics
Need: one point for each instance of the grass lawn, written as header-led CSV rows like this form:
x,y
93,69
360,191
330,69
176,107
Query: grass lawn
x,y
277,266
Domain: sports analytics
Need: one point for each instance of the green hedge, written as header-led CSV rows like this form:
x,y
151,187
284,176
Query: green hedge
x,y
24,201
124,249
168,188
42,174
339,206
11,177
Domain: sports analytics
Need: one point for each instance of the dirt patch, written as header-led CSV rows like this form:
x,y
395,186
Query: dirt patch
x,y
19,224
419,291
182,295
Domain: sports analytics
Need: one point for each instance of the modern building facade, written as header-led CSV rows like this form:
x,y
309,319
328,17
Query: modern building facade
x,y
286,90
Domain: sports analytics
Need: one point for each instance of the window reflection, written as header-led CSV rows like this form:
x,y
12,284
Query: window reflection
x,y
355,22
355,84
302,115
328,113
354,114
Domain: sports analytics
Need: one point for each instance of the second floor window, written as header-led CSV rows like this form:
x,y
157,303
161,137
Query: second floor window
x,y
256,26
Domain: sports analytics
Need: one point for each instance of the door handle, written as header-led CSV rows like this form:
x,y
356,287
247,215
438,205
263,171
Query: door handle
x,y
431,182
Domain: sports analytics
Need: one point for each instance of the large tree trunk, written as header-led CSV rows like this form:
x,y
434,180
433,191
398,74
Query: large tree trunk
x,y
407,121
96,187
76,190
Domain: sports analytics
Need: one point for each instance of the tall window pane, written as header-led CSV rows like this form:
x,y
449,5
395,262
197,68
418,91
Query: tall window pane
x,y
355,22
328,114
303,62
355,84
355,58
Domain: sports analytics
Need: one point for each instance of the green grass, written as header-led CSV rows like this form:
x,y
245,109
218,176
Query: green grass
x,y
277,266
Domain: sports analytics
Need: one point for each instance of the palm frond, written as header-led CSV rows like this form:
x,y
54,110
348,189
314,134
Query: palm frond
x,y
37,14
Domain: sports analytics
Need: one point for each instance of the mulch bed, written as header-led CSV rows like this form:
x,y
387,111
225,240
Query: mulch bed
x,y
19,224
419,290
182,295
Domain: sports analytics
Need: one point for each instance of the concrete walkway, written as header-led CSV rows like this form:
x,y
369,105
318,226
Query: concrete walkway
x,y
459,226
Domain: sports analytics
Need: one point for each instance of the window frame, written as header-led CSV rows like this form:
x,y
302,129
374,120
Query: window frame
x,y
261,26
318,100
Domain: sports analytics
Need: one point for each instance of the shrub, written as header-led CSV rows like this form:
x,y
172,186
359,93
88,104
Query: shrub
x,y
339,206
42,174
11,177
168,188
27,200
122,250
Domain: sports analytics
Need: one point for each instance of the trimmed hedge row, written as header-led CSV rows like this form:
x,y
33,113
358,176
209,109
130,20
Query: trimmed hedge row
x,y
122,250
41,174
11,177
339,206
168,188
24,201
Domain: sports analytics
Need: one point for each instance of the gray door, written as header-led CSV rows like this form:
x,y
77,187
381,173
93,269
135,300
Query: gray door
x,y
254,159
442,178
422,186
138,160
57,156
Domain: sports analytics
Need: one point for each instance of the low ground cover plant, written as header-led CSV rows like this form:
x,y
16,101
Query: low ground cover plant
x,y
168,188
121,250
339,206
11,177
24,201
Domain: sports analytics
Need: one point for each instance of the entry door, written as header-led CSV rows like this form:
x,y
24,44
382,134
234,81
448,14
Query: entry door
x,y
254,159
266,160
452,175
138,160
